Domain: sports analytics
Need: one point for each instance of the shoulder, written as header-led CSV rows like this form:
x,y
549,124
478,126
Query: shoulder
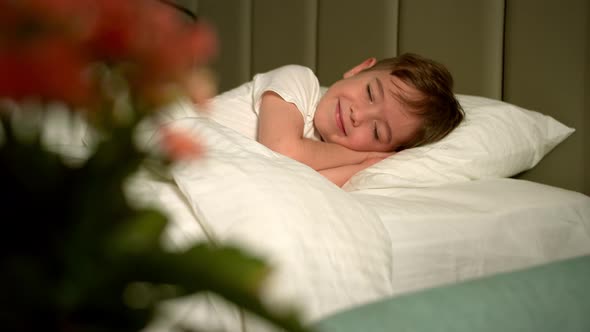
x,y
296,69
295,84
291,71
291,82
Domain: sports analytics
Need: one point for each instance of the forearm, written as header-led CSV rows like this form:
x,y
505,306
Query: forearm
x,y
340,175
321,155
280,129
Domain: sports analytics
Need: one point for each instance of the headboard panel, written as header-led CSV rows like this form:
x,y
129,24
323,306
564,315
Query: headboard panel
x,y
546,69
348,30
465,35
285,27
534,53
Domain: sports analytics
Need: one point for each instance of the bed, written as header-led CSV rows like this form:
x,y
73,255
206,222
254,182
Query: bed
x,y
331,249
506,191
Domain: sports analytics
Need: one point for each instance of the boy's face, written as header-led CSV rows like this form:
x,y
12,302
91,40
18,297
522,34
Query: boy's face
x,y
361,112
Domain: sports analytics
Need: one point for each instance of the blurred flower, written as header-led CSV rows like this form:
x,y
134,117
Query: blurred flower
x,y
52,68
178,145
49,48
109,64
200,85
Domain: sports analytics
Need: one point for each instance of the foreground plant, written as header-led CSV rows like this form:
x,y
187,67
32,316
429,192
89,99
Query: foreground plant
x,y
75,256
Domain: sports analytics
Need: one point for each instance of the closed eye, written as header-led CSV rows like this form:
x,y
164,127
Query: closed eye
x,y
375,132
369,92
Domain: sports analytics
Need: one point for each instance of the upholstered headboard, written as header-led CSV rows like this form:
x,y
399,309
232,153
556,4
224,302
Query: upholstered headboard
x,y
533,53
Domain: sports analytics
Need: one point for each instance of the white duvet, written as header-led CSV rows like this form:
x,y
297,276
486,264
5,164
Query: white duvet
x,y
328,251
331,249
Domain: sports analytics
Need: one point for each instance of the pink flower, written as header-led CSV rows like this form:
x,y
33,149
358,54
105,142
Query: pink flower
x,y
40,53
34,19
115,35
172,47
47,48
201,42
179,146
200,86
51,69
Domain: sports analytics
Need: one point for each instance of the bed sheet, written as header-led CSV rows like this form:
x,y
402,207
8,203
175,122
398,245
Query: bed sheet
x,y
446,234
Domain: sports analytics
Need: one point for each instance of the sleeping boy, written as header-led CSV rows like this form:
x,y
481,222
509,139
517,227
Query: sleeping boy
x,y
377,109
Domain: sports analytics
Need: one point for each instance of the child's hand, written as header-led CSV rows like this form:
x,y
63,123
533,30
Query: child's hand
x,y
378,156
375,157
339,175
371,161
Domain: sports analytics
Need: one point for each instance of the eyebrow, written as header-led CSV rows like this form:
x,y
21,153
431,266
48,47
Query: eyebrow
x,y
381,91
380,87
388,134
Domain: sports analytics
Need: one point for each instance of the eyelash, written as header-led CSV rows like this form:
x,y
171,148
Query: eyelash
x,y
376,132
369,92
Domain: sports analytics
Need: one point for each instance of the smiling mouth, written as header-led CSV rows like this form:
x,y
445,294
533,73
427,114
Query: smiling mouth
x,y
339,121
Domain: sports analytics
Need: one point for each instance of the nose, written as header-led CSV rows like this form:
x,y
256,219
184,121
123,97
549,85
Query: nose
x,y
354,117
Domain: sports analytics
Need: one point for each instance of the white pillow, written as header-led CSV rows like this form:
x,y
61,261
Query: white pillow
x,y
496,139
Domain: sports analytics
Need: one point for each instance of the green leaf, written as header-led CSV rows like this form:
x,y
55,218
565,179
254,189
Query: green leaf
x,y
92,261
140,233
226,271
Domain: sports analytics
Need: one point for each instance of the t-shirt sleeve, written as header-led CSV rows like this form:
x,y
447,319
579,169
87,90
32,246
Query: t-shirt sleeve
x,y
295,84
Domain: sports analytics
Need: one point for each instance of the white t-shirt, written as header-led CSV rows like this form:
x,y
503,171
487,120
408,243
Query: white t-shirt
x,y
239,108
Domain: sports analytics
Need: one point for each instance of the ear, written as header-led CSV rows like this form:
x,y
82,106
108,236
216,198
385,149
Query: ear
x,y
368,63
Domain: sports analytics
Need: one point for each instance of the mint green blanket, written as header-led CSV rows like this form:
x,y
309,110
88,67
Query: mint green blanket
x,y
553,297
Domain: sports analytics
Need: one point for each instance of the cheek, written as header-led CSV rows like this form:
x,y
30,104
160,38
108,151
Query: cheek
x,y
320,121
364,141
360,141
